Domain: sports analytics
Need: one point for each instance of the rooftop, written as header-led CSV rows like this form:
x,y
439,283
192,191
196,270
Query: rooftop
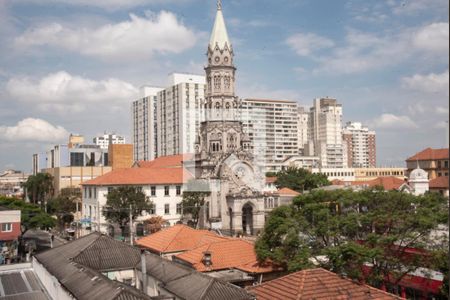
x,y
317,284
21,283
430,154
388,183
439,182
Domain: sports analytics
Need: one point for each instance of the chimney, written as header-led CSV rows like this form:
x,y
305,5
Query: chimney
x,y
207,259
144,272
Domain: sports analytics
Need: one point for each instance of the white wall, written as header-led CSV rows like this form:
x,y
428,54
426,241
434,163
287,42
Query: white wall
x,y
51,284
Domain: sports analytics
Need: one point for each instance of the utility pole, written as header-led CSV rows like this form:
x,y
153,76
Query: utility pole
x,y
131,225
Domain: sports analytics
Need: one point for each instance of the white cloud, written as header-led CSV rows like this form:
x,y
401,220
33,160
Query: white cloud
x,y
135,39
391,121
431,83
31,129
433,37
305,44
104,4
62,91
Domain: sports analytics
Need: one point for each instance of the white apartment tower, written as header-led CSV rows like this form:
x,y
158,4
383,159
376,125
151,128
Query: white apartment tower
x,y
360,145
107,139
178,114
302,129
271,126
325,130
143,116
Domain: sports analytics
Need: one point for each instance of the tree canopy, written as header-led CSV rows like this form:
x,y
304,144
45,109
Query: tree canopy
x,y
118,203
64,205
194,199
32,216
346,231
300,180
39,188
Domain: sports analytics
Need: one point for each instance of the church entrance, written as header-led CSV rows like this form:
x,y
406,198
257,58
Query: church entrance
x,y
247,219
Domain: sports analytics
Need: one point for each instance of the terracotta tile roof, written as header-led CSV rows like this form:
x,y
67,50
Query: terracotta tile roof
x,y
165,161
271,179
388,183
177,238
430,154
141,176
226,254
317,284
287,192
439,183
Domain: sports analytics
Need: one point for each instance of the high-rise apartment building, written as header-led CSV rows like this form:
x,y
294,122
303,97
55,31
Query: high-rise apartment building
x,y
271,126
108,139
325,131
143,116
360,145
178,114
302,129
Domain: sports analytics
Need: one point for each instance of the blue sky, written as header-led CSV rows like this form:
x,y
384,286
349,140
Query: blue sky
x,y
75,66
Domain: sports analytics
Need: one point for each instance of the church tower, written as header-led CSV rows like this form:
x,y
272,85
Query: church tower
x,y
223,157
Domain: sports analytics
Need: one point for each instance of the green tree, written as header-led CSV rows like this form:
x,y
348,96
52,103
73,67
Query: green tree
x,y
39,188
300,180
120,200
64,205
344,230
194,199
32,216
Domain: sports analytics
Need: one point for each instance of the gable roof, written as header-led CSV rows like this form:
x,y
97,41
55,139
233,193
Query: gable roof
x,y
189,284
287,192
440,182
84,282
388,182
226,254
170,161
430,154
177,238
317,284
142,176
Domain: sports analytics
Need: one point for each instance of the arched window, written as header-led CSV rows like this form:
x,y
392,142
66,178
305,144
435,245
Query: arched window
x,y
216,82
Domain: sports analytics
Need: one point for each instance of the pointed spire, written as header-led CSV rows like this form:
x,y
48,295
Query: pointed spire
x,y
219,33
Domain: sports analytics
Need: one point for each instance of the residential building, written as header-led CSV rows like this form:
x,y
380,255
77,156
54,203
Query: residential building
x,y
434,161
178,112
296,161
108,139
317,284
143,116
164,279
11,183
302,128
161,180
272,128
439,185
359,142
325,132
9,234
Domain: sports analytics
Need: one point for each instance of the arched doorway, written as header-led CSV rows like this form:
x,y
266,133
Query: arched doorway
x,y
247,219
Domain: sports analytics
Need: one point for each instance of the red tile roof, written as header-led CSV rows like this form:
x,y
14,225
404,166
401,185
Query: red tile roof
x,y
388,183
439,183
317,284
430,154
177,238
165,161
226,254
141,176
287,192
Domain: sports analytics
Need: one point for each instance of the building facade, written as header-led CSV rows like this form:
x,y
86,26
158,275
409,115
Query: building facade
x,y
178,113
11,183
107,139
302,128
9,233
325,132
143,116
271,126
360,145
434,161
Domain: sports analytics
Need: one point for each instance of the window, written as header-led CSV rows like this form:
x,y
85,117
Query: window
x,y
95,192
178,190
166,209
153,191
6,227
90,192
166,190
179,209
76,159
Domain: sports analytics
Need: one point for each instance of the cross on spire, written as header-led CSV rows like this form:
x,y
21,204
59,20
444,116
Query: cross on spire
x,y
219,4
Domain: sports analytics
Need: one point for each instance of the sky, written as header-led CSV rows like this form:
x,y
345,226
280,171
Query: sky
x,y
75,66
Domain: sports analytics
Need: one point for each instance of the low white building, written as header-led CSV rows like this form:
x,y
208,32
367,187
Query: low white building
x,y
161,180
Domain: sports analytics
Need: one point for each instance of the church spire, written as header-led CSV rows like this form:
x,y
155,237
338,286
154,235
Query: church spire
x,y
219,35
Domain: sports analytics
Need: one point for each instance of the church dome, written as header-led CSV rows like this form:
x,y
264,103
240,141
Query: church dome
x,y
418,174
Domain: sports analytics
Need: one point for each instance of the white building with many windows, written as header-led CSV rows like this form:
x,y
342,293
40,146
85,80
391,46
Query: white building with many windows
x,y
143,116
161,180
108,139
178,114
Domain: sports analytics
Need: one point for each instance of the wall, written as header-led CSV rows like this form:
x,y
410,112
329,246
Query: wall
x,y
13,217
65,177
51,284
120,156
